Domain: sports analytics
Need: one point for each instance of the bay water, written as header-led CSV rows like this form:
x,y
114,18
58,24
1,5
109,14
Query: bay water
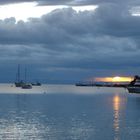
x,y
67,112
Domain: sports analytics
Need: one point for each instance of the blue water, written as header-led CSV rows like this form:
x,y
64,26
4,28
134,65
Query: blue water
x,y
70,113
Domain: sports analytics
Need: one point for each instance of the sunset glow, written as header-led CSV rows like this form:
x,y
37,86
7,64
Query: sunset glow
x,y
113,79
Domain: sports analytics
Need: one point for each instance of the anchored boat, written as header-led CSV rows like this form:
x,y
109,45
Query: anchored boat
x,y
21,83
26,86
36,84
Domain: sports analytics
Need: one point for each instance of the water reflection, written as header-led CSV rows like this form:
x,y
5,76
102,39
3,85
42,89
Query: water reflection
x,y
62,116
36,117
116,107
20,119
119,105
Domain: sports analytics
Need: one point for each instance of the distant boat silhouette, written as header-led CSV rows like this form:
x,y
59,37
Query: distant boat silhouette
x,y
18,82
21,83
36,84
26,86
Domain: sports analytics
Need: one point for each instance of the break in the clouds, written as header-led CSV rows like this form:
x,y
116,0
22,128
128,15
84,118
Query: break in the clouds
x,y
65,45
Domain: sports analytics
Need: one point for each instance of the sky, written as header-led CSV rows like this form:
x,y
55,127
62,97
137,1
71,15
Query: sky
x,y
63,41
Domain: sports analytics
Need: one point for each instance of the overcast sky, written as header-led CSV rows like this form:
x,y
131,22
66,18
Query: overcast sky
x,y
65,46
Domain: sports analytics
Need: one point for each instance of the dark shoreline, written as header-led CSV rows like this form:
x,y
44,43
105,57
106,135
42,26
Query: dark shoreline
x,y
103,85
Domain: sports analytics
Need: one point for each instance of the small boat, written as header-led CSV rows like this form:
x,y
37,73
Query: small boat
x,y
20,83
26,86
36,84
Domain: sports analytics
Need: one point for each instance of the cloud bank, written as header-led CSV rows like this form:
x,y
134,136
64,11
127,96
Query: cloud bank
x,y
75,2
66,46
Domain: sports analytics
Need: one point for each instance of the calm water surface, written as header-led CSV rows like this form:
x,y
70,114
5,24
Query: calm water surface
x,y
65,112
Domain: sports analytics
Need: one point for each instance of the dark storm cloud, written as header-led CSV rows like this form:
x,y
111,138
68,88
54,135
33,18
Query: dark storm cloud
x,y
86,43
71,26
14,1
89,2
75,2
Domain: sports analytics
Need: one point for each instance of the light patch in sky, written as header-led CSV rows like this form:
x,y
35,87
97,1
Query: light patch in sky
x,y
85,8
23,11
135,11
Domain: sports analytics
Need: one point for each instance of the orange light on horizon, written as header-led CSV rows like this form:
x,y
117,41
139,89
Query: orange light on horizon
x,y
113,79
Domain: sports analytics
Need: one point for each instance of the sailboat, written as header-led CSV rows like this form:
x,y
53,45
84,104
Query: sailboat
x,y
20,83
26,85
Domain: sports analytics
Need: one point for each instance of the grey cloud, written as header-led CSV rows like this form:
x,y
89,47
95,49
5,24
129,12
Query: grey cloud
x,y
14,1
89,2
76,2
71,29
64,40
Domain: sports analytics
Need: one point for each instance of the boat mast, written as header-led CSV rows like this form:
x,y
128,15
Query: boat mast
x,y
25,74
18,73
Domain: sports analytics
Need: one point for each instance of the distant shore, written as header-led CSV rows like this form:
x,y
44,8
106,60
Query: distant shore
x,y
124,85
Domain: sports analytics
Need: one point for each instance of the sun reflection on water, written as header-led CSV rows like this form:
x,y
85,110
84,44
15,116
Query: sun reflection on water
x,y
116,106
119,107
116,124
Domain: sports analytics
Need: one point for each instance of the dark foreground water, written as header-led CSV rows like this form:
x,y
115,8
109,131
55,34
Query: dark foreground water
x,y
70,113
